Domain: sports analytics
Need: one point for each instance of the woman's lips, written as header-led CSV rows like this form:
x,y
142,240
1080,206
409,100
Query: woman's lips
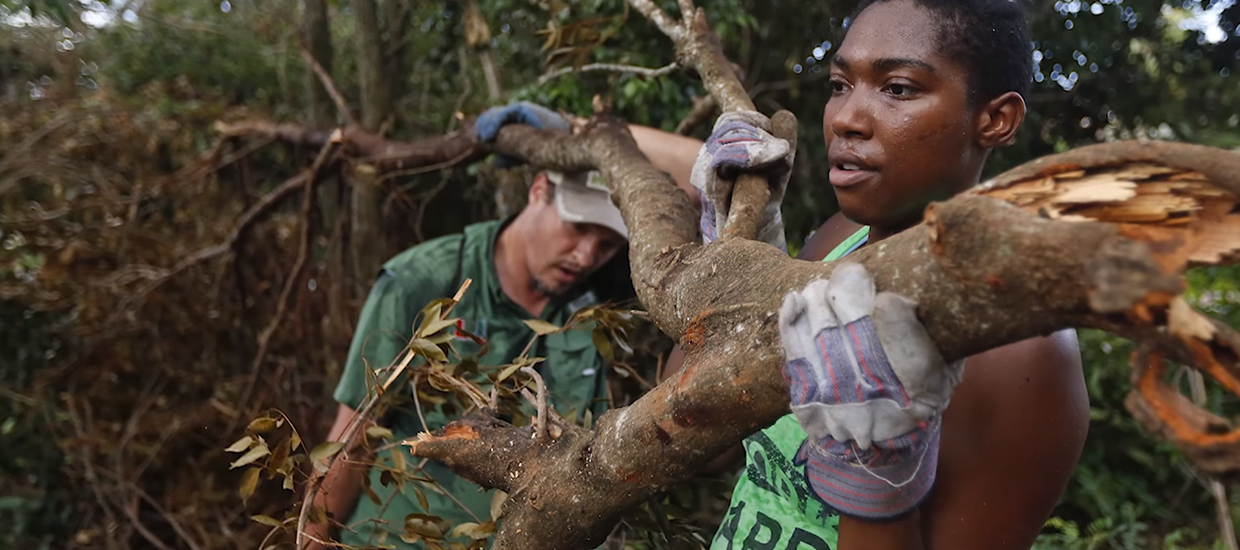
x,y
848,175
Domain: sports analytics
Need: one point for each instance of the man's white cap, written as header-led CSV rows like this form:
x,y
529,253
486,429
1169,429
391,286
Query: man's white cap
x,y
582,197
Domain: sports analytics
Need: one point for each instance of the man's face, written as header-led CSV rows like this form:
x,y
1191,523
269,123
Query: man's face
x,y
560,254
899,128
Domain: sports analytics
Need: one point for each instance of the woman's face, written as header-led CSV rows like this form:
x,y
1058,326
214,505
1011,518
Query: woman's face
x,y
899,127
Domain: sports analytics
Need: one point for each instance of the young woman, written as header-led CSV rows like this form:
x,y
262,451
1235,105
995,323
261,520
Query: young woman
x,y
921,92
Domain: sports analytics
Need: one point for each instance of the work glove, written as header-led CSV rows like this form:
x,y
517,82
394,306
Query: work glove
x,y
487,126
742,143
869,387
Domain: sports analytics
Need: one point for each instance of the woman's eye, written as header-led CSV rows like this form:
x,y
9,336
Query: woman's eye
x,y
838,86
900,90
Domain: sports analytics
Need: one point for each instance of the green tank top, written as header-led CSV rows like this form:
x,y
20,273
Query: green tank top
x,y
773,507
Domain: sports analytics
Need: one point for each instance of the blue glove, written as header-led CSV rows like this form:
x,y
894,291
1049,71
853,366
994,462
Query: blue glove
x,y
869,387
524,112
742,142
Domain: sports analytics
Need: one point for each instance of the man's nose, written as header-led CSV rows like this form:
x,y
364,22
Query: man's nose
x,y
586,251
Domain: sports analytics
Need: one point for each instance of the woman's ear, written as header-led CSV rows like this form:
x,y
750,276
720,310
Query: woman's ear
x,y
999,120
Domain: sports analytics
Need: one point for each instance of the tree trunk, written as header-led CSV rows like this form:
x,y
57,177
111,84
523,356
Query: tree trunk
x,y
368,246
316,35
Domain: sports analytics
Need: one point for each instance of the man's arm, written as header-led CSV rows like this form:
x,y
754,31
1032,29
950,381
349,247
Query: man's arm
x,y
671,153
340,487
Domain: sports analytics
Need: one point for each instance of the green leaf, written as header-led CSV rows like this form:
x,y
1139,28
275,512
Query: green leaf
x,y
508,372
258,451
268,520
296,440
240,445
421,499
427,349
541,327
325,450
599,335
249,482
379,432
436,326
262,425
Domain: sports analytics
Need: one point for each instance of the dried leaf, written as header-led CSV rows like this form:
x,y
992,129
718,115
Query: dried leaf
x,y
541,327
262,425
475,531
370,492
325,450
279,456
296,440
268,521
256,452
379,432
240,445
249,482
426,526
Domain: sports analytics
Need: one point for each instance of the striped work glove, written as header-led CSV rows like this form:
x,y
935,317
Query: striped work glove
x,y
742,142
869,387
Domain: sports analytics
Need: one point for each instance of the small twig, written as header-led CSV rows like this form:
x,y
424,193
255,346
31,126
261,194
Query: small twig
x,y
146,497
294,276
540,427
703,108
329,85
417,405
453,498
132,513
611,67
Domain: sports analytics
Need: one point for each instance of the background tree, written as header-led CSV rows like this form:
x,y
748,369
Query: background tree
x,y
141,386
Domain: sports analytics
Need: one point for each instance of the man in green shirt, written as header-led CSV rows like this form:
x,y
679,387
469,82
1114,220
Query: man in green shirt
x,y
544,263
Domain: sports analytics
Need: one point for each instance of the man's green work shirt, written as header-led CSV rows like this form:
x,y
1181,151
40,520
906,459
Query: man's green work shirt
x,y
573,370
